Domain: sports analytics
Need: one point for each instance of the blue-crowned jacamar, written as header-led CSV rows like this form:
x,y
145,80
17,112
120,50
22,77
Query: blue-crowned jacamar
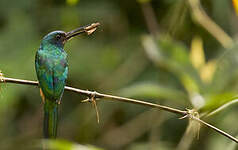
x,y
52,69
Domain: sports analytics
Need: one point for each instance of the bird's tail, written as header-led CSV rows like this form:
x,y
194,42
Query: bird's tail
x,y
50,119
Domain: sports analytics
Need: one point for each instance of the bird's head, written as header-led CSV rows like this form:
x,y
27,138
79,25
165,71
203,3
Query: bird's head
x,y
59,38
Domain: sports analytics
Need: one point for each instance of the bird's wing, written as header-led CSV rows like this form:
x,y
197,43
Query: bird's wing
x,y
60,73
51,74
44,74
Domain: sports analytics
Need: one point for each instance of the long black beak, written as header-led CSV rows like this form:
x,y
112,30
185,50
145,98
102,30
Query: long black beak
x,y
89,29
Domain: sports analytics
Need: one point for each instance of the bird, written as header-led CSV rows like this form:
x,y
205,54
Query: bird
x,y
51,65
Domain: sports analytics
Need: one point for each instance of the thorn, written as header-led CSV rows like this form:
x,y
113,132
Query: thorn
x,y
185,116
86,100
92,99
94,103
96,109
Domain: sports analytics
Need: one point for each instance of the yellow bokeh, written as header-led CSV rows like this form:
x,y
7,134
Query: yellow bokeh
x,y
72,2
197,57
235,5
197,53
207,71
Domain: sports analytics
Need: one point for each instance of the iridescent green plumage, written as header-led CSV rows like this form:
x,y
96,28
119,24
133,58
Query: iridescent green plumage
x,y
52,69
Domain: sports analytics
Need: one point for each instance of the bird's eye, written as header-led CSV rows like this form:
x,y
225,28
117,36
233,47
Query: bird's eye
x,y
58,37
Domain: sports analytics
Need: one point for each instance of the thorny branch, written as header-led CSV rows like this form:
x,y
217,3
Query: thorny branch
x,y
216,129
95,96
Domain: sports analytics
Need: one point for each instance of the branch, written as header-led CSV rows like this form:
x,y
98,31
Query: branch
x,y
204,20
222,107
150,17
187,114
217,130
98,95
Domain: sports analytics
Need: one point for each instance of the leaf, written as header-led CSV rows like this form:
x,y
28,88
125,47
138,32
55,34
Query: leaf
x,y
217,100
189,84
223,107
65,145
174,57
161,145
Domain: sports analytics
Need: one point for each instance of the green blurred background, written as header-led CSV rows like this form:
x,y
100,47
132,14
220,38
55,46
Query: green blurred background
x,y
180,53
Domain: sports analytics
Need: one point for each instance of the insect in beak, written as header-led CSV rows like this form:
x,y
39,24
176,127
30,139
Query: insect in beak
x,y
89,29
